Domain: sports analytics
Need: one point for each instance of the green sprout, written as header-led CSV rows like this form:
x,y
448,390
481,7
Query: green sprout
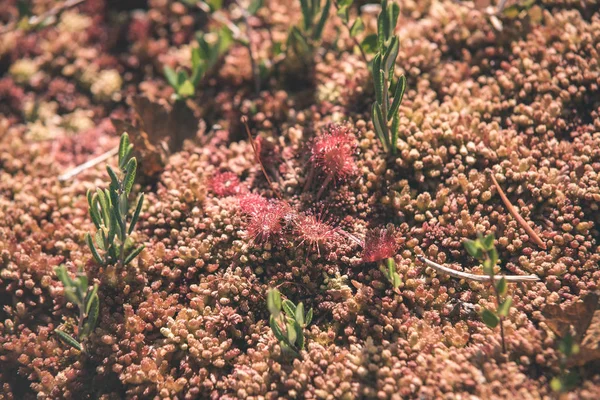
x,y
567,380
86,299
288,326
303,39
354,28
109,209
203,57
388,91
389,271
484,250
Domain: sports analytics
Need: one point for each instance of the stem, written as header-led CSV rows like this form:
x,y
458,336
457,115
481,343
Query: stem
x,y
324,185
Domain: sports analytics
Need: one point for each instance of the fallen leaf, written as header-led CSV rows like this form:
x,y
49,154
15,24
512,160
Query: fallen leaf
x,y
582,319
159,130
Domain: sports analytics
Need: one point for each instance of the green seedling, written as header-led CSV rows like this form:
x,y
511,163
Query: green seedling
x,y
203,58
288,322
484,250
354,28
388,269
303,39
567,380
388,91
109,210
86,299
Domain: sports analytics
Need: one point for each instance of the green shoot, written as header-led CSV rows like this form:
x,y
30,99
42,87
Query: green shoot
x,y
484,250
86,299
109,209
354,28
304,38
388,91
288,325
567,380
389,271
203,59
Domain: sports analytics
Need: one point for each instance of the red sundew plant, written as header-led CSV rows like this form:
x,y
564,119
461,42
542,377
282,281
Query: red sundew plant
x,y
252,203
333,154
225,184
314,231
380,244
268,222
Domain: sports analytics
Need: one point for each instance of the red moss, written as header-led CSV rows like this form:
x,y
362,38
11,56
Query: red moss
x,y
379,244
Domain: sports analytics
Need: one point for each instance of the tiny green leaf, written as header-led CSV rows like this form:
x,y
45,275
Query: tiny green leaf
x,y
291,333
171,76
133,254
472,248
187,89
289,308
357,27
276,329
299,336
489,318
88,239
321,24
504,307
309,317
89,297
299,314
398,95
123,144
130,175
68,339
274,302
369,44
488,242
136,214
502,287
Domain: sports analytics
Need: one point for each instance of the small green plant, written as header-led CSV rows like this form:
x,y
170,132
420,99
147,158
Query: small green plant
x,y
484,250
354,28
567,380
86,299
388,91
389,271
288,326
203,58
109,209
303,39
